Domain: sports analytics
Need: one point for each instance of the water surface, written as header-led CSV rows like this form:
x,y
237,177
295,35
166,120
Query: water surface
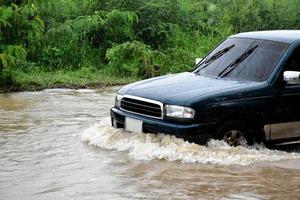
x,y
59,144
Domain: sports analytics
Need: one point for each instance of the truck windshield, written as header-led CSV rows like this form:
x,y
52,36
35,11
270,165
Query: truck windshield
x,y
256,66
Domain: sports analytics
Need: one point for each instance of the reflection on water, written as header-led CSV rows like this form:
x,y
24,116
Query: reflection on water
x,y
42,156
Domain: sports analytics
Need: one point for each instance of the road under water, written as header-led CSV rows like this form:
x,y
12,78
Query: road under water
x,y
58,144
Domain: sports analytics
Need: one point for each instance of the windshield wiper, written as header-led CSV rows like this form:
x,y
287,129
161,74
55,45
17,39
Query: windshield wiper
x,y
215,57
236,63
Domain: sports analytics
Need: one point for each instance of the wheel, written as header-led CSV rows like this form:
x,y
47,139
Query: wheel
x,y
235,133
234,138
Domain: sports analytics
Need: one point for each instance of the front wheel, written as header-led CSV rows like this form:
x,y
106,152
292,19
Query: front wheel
x,y
235,133
234,137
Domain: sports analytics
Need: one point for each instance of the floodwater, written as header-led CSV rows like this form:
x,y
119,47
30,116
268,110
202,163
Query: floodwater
x,y
58,144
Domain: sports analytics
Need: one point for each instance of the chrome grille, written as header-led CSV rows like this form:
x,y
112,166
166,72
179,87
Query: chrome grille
x,y
142,106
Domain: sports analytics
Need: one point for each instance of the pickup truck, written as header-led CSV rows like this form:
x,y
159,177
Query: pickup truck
x,y
246,90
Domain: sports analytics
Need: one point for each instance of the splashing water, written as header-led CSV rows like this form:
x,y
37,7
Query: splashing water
x,y
143,146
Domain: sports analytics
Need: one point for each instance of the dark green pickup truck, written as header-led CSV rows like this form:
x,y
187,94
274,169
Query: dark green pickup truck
x,y
245,90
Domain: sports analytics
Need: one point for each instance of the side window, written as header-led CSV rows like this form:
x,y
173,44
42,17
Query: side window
x,y
292,70
293,64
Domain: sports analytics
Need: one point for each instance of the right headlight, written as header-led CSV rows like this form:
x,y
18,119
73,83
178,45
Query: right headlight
x,y
179,112
118,100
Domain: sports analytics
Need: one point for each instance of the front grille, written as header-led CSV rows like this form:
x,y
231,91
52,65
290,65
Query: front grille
x,y
142,106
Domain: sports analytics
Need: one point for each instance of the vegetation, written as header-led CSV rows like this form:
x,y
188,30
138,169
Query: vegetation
x,y
48,43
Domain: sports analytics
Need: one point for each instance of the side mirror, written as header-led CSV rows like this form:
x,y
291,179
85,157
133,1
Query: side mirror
x,y
291,77
198,60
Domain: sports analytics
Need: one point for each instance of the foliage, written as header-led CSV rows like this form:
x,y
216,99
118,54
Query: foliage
x,y
162,18
83,41
131,59
18,25
67,44
128,38
36,78
241,14
249,15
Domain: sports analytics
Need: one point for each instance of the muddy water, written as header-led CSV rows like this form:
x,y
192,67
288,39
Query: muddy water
x,y
58,144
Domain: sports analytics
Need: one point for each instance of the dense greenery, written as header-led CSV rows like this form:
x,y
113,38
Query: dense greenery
x,y
122,38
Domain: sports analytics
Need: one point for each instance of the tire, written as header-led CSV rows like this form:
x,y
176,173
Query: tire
x,y
235,133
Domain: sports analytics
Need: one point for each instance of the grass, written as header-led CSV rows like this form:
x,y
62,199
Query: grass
x,y
31,80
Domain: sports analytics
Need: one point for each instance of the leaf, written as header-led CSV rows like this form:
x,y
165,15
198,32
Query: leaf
x,y
5,12
3,59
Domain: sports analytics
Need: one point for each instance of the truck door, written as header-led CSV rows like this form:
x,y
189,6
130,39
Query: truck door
x,y
287,106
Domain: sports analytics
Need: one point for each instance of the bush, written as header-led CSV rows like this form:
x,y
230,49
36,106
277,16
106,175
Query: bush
x,y
127,37
18,25
157,21
68,45
83,41
131,59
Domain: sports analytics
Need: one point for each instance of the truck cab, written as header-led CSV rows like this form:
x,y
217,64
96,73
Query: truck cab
x,y
246,90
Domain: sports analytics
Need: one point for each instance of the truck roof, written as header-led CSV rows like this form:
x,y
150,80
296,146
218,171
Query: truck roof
x,y
285,36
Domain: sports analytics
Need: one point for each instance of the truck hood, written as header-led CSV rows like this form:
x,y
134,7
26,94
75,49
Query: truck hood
x,y
182,88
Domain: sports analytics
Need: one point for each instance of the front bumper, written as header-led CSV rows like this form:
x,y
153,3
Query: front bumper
x,y
201,132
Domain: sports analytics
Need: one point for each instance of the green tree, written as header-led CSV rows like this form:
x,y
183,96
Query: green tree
x,y
243,15
18,25
131,59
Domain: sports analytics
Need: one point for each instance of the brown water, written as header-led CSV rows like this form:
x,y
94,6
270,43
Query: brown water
x,y
58,144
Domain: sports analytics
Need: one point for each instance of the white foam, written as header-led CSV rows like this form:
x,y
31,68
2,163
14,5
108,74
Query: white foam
x,y
143,146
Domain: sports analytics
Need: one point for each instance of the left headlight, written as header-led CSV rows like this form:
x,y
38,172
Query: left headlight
x,y
179,112
118,101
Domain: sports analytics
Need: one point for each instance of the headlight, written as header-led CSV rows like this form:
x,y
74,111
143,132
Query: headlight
x,y
118,101
179,112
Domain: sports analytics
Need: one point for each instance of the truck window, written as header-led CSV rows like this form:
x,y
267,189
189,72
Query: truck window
x,y
256,67
293,63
